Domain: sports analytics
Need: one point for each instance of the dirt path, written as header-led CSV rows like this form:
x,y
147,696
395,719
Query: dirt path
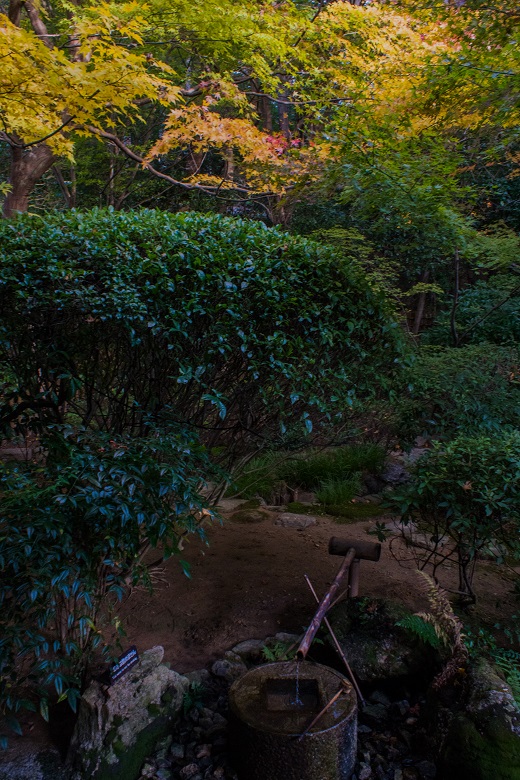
x,y
248,583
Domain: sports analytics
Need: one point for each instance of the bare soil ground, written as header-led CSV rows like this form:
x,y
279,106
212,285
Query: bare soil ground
x,y
248,583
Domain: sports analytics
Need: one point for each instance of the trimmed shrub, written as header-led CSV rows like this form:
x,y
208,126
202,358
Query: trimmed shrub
x,y
238,330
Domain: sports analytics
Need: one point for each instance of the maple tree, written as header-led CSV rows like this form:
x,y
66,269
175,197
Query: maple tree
x,y
259,84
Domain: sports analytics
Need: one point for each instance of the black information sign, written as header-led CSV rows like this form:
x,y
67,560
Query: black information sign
x,y
124,664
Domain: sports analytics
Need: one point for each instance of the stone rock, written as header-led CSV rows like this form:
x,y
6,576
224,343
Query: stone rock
x,y
483,741
394,472
34,763
376,648
427,769
199,677
250,650
230,504
229,670
373,498
375,712
249,516
177,751
414,454
189,771
119,726
290,520
163,774
373,485
291,639
380,698
306,497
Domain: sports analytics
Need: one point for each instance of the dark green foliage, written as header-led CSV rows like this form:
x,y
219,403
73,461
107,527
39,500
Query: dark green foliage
x,y
467,491
485,312
466,390
338,491
236,327
353,513
350,243
311,470
308,470
420,628
508,661
73,532
193,698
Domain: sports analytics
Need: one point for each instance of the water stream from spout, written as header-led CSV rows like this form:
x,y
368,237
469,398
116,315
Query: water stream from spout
x,y
297,700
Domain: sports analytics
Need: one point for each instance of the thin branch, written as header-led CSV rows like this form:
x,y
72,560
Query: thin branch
x,y
294,102
149,167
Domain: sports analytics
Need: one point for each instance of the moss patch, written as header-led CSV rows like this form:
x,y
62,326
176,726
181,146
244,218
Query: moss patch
x,y
305,509
343,513
351,513
132,758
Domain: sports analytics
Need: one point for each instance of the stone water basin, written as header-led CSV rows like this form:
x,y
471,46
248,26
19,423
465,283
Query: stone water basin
x,y
271,708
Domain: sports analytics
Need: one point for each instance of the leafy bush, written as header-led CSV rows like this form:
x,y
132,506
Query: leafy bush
x,y
107,317
466,492
258,477
484,313
466,390
73,535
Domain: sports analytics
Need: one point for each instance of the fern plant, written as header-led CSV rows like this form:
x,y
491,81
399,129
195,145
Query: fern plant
x,y
509,662
423,630
440,628
278,652
192,698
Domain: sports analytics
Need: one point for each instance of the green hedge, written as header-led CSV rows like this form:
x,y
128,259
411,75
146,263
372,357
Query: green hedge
x,y
234,328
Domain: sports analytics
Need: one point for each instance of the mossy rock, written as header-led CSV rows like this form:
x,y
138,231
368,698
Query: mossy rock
x,y
483,741
377,649
129,762
470,753
117,729
253,503
249,516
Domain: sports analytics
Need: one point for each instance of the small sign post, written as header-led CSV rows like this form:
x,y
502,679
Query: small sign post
x,y
124,664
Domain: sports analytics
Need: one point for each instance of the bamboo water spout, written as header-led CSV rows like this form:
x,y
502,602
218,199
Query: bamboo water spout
x,y
324,605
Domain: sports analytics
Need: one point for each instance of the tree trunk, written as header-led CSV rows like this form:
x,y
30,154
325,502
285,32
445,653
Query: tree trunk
x,y
27,167
453,321
283,111
420,306
266,114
